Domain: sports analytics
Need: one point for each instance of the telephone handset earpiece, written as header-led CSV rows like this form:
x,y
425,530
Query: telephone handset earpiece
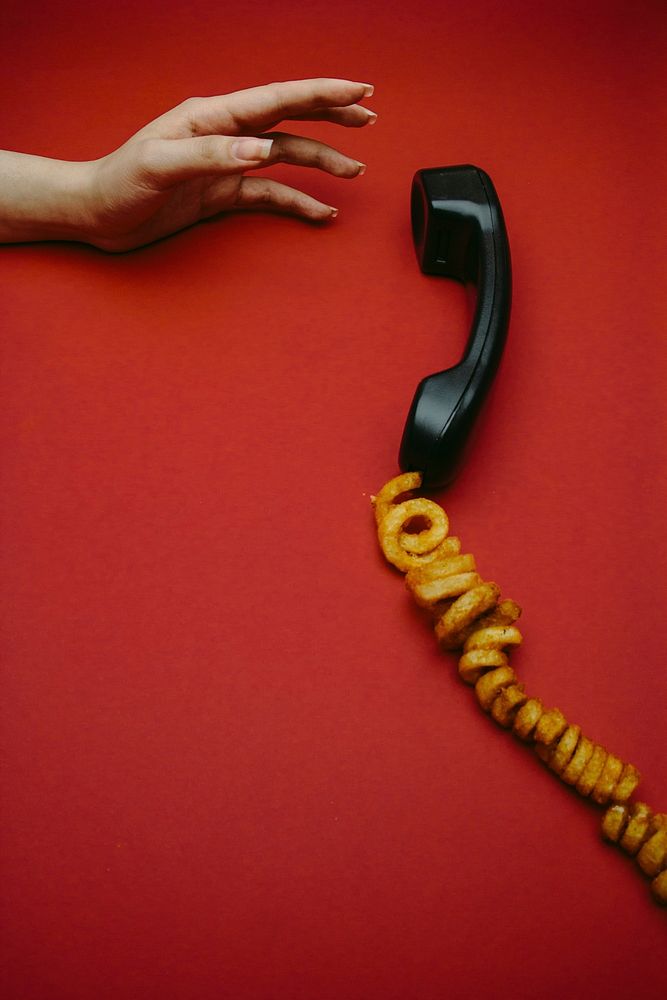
x,y
459,232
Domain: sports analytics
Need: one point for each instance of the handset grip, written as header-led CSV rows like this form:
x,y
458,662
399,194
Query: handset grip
x,y
459,232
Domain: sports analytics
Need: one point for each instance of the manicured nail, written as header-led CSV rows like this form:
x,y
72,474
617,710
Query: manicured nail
x,y
372,117
362,169
334,212
251,149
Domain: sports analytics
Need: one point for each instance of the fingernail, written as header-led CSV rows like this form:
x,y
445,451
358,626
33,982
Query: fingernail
x,y
251,149
334,212
362,169
372,117
369,89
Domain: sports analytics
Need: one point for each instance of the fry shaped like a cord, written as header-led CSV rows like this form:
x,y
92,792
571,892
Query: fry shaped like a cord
x,y
391,492
406,550
469,616
643,835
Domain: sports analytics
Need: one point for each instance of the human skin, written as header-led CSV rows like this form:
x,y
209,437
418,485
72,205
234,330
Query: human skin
x,y
193,162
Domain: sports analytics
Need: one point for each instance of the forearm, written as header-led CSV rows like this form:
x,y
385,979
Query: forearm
x,y
43,199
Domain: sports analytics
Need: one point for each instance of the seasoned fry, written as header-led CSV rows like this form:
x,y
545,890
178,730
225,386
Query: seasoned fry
x,y
652,856
489,686
613,823
592,771
471,618
463,612
550,727
644,836
399,486
430,537
578,761
403,549
449,576
626,784
527,718
636,829
504,613
507,703
567,744
475,663
604,786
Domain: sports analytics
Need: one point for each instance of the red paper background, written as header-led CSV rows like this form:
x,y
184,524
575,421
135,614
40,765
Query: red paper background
x,y
234,763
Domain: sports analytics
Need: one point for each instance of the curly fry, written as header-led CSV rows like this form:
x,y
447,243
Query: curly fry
x,y
407,550
471,617
642,835
391,491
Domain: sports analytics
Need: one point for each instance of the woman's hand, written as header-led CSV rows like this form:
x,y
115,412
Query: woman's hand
x,y
188,164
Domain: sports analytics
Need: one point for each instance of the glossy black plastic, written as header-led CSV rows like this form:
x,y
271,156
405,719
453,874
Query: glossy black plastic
x,y
459,232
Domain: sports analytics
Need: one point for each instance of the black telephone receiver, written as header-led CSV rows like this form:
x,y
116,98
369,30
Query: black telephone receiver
x,y
459,232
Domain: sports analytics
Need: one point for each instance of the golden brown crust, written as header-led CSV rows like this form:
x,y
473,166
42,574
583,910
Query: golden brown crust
x,y
463,611
652,856
614,821
504,613
643,836
397,487
527,718
550,727
489,686
567,744
506,705
403,549
626,784
636,828
475,663
443,588
432,535
447,565
578,761
493,637
604,786
592,771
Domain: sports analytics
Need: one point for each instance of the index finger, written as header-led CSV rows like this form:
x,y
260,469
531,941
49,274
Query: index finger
x,y
260,108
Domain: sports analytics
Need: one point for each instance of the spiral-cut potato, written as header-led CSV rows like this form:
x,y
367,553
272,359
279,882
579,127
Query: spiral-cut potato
x,y
390,493
470,617
643,835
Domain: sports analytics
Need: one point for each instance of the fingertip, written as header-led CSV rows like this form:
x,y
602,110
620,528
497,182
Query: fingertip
x,y
320,214
369,89
347,170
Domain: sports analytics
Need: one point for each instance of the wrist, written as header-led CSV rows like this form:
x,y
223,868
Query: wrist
x,y
44,199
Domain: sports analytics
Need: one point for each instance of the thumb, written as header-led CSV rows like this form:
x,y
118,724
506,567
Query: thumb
x,y
169,161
